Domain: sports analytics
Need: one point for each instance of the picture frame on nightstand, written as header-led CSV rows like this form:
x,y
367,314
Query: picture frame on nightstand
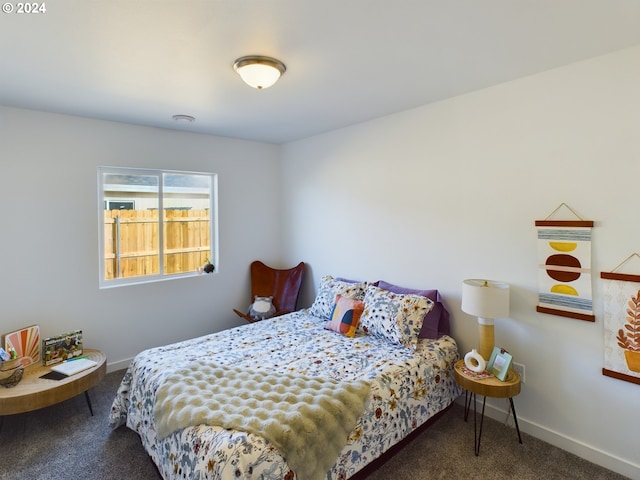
x,y
499,363
61,347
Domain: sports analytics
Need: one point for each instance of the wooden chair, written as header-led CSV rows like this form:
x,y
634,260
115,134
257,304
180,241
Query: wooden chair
x,y
282,285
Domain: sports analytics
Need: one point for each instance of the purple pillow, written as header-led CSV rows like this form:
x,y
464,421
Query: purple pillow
x,y
436,322
348,280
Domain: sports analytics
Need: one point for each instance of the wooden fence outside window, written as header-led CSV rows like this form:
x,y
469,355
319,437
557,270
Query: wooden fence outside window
x,y
131,241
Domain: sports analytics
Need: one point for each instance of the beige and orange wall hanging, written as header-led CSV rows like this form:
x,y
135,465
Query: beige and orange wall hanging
x,y
622,324
564,278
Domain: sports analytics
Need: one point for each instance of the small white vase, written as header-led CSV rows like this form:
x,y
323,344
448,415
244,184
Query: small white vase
x,y
474,361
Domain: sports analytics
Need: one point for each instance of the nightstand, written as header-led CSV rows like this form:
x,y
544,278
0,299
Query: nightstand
x,y
34,392
487,387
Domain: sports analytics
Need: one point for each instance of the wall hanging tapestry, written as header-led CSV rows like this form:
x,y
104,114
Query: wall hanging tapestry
x,y
622,325
564,278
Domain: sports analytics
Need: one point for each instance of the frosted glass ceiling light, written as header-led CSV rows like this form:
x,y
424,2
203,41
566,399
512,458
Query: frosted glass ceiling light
x,y
259,72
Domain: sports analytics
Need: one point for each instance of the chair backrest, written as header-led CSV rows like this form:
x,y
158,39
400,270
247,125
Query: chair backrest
x,y
283,285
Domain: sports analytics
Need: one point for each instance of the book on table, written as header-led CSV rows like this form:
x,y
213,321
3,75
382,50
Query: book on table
x,y
72,367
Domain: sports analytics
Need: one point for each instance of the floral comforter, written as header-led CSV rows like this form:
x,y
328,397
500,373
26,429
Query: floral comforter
x,y
407,388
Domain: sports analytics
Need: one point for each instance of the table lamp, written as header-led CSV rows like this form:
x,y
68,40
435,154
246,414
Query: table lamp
x,y
487,300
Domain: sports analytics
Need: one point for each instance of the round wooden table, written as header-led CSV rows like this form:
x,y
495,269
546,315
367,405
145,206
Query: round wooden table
x,y
487,387
34,392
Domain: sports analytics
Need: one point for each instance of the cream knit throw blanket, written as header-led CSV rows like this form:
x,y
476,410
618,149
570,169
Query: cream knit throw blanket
x,y
307,418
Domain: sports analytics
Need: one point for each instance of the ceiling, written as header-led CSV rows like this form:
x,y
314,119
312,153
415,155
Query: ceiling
x,y
348,61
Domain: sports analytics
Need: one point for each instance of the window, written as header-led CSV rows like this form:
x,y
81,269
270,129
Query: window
x,y
155,224
120,205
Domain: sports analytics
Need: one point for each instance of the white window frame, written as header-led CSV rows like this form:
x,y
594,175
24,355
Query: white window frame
x,y
160,276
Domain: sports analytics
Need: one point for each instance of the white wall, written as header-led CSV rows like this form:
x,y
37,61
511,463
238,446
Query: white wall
x,y
424,198
49,241
431,196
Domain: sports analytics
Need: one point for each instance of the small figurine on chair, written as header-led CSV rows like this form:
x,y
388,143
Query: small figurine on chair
x,y
262,308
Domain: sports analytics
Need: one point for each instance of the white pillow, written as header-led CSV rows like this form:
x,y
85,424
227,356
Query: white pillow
x,y
392,316
327,291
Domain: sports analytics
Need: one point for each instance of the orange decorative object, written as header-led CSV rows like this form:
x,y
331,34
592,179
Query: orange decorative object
x,y
633,360
26,343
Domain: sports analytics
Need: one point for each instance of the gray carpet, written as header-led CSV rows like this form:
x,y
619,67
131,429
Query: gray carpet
x,y
65,442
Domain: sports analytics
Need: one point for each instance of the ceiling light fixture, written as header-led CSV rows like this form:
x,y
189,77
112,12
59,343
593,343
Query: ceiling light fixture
x,y
259,72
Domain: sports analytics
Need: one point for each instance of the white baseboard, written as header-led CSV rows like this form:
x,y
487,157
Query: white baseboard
x,y
571,445
119,365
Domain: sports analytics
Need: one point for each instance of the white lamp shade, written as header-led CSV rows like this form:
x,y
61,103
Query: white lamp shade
x,y
259,75
485,298
258,71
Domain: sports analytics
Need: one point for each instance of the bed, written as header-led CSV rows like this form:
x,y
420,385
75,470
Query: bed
x,y
383,351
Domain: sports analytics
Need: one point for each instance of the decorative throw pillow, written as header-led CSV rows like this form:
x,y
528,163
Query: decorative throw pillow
x,y
327,291
393,316
436,321
345,316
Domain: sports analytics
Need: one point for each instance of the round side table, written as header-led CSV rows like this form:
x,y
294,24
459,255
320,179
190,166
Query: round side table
x,y
487,387
34,392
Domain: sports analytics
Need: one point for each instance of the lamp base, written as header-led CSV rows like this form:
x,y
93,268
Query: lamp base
x,y
487,339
